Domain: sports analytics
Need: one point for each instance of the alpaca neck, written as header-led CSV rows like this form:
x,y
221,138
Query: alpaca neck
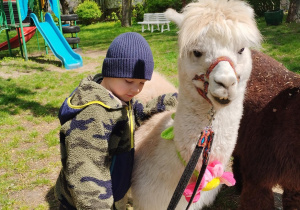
x,y
190,119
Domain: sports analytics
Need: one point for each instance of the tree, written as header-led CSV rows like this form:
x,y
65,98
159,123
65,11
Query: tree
x,y
126,13
64,6
293,13
45,6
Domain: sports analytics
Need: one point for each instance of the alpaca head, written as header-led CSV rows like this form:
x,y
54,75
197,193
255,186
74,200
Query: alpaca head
x,y
214,41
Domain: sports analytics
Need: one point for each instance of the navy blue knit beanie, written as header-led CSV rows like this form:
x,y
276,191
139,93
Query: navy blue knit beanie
x,y
128,56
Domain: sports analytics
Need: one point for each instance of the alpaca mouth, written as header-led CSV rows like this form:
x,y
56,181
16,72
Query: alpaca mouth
x,y
222,101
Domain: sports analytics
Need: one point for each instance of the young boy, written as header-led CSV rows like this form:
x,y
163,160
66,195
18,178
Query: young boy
x,y
98,122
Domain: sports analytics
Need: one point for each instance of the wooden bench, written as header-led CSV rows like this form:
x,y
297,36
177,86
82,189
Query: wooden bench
x,y
152,19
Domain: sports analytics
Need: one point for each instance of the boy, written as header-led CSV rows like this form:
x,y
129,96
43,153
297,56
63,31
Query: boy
x,y
98,122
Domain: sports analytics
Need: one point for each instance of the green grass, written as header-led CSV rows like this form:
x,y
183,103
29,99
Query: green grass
x,y
31,95
282,43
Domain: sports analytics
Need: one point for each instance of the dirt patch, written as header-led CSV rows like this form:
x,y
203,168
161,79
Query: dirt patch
x,y
11,75
94,53
29,197
92,61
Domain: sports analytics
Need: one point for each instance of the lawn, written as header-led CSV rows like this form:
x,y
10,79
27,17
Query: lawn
x,y
31,93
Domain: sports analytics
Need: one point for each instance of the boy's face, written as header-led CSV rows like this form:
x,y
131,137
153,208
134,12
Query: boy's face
x,y
124,88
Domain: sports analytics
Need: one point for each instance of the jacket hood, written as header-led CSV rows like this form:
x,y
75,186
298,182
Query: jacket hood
x,y
87,93
90,91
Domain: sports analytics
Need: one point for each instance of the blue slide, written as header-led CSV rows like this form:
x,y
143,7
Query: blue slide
x,y
57,42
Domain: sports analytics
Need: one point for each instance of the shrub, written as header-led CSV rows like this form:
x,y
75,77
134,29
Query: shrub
x,y
138,12
88,11
261,6
162,6
113,17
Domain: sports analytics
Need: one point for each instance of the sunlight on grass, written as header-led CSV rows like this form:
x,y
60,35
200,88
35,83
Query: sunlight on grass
x,y
32,119
20,165
40,181
5,118
52,137
15,142
44,170
282,42
33,134
5,157
49,118
6,202
41,207
10,131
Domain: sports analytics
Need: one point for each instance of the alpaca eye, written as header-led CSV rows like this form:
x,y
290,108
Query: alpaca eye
x,y
241,51
197,53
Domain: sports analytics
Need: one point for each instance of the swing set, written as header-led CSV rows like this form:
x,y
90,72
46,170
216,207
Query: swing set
x,y
17,14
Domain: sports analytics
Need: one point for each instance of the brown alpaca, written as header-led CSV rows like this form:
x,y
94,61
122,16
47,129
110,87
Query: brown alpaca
x,y
268,146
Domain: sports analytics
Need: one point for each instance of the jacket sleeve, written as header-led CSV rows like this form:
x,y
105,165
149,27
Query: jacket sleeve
x,y
87,159
162,103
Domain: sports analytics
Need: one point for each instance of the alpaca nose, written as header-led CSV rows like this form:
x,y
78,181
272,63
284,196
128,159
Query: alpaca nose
x,y
225,75
226,82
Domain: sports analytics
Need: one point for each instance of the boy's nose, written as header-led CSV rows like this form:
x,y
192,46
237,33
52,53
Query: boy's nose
x,y
135,89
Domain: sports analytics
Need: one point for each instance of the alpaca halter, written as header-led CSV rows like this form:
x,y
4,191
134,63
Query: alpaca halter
x,y
202,77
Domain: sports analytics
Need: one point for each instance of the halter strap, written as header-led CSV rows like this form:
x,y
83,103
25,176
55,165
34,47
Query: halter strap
x,y
216,62
202,77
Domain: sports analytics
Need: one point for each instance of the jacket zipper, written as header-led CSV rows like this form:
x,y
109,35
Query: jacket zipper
x,y
129,114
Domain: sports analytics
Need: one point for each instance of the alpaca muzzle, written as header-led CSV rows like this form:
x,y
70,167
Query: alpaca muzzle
x,y
217,61
205,77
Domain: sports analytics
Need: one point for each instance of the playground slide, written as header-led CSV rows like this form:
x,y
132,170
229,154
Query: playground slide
x,y
14,42
57,42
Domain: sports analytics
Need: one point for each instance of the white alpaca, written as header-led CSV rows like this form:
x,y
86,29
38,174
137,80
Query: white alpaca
x,y
158,85
209,30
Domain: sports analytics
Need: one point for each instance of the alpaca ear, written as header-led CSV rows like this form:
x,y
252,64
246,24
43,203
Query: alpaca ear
x,y
174,16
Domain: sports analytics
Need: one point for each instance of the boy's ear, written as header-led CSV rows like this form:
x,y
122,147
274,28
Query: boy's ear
x,y
174,16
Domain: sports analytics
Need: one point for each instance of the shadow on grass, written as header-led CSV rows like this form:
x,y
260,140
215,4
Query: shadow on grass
x,y
50,198
40,59
34,64
229,198
12,101
45,60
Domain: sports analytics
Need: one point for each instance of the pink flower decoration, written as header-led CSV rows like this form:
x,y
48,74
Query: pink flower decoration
x,y
213,170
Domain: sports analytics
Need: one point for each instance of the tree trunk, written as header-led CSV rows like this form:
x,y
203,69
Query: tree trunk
x,y
65,6
126,13
293,14
45,6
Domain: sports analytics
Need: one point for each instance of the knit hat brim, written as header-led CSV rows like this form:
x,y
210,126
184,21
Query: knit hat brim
x,y
128,68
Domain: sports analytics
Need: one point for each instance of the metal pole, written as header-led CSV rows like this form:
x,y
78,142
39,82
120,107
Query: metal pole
x,y
42,20
76,34
8,43
22,32
20,43
59,19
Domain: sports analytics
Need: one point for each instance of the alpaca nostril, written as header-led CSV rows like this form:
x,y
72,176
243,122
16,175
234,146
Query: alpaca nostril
x,y
225,82
220,83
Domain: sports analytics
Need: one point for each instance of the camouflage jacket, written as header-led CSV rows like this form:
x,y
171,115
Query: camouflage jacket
x,y
97,144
